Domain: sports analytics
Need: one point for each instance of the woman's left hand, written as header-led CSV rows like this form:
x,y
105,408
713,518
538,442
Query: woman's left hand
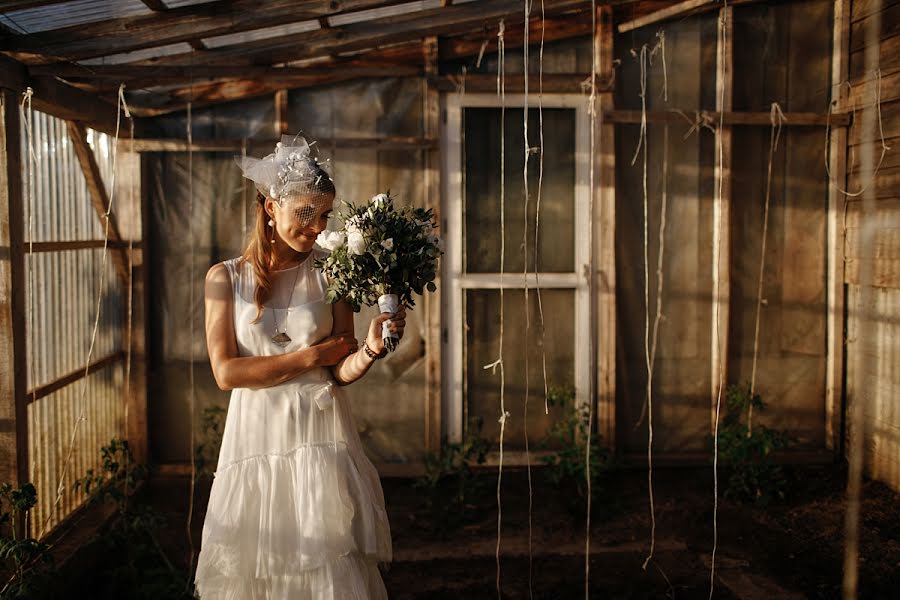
x,y
396,323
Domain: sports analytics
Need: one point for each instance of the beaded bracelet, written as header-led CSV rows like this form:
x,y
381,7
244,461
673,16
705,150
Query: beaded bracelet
x,y
371,354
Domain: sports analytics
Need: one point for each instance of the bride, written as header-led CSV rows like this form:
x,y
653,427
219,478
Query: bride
x,y
296,509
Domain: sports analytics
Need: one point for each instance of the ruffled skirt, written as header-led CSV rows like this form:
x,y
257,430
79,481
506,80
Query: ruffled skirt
x,y
296,509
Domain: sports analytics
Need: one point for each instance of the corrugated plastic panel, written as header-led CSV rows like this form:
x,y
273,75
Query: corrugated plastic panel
x,y
66,14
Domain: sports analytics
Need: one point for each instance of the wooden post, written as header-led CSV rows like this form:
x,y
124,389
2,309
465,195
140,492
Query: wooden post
x,y
13,366
835,291
99,197
432,302
721,267
281,112
604,243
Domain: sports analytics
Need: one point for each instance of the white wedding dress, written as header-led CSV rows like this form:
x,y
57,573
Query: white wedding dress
x,y
296,509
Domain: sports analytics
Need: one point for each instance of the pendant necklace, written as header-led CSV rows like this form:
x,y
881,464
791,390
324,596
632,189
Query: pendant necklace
x,y
281,337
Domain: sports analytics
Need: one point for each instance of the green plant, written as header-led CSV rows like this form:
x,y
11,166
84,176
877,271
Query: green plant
x,y
567,439
140,567
746,450
25,560
206,454
449,481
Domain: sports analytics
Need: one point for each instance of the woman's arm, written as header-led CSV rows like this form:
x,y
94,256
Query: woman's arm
x,y
233,371
357,364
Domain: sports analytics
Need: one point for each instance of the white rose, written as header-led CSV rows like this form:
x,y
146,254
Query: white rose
x,y
388,244
356,243
379,200
330,240
437,241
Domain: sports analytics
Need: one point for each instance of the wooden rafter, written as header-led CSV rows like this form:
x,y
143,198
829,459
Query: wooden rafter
x,y
56,98
210,19
373,33
99,197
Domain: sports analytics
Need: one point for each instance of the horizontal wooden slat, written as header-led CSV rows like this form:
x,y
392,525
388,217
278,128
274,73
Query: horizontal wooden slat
x,y
730,118
553,83
885,272
885,184
886,243
380,143
890,125
890,25
888,57
491,281
863,8
49,388
887,213
891,156
864,89
77,245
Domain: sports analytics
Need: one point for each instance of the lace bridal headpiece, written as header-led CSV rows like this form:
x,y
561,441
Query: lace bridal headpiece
x,y
291,174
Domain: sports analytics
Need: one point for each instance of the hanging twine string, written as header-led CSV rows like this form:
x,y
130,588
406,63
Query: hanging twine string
x,y
592,111
723,31
777,118
527,8
537,216
130,300
504,414
120,104
884,146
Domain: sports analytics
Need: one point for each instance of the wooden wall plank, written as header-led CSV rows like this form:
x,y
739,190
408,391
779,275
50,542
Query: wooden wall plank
x,y
836,294
432,302
604,241
14,458
890,26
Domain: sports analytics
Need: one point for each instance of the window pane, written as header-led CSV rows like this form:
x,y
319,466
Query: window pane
x,y
482,389
481,158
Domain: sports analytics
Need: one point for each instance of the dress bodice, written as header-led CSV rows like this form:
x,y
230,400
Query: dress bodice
x,y
296,305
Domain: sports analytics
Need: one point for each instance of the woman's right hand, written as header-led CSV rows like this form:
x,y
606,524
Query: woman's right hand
x,y
332,349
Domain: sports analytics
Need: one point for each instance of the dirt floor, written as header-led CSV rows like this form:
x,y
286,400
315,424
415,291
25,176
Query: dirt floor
x,y
788,550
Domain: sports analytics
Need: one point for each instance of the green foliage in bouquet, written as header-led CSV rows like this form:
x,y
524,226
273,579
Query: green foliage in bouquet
x,y
381,249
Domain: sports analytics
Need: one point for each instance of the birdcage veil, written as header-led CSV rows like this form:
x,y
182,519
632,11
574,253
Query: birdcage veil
x,y
293,176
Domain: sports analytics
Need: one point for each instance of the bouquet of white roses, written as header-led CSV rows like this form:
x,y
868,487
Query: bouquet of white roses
x,y
381,256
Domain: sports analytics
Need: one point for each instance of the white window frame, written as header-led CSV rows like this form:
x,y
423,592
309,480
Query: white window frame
x,y
456,282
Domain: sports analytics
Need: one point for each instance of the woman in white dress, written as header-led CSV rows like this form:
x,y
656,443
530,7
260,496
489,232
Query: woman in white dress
x,y
296,510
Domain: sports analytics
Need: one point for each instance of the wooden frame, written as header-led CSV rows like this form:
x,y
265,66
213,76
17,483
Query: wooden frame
x,y
432,303
604,243
14,459
457,281
835,290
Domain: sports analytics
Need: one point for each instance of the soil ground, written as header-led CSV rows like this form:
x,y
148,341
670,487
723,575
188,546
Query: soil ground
x,y
793,549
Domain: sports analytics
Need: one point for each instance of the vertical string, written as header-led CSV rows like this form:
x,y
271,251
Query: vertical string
x,y
130,300
777,118
717,242
537,217
527,7
504,414
592,111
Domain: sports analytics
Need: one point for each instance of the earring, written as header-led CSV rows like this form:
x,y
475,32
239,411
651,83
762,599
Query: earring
x,y
272,225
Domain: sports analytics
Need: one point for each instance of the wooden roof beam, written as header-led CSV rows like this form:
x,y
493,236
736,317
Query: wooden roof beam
x,y
391,30
58,99
222,17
